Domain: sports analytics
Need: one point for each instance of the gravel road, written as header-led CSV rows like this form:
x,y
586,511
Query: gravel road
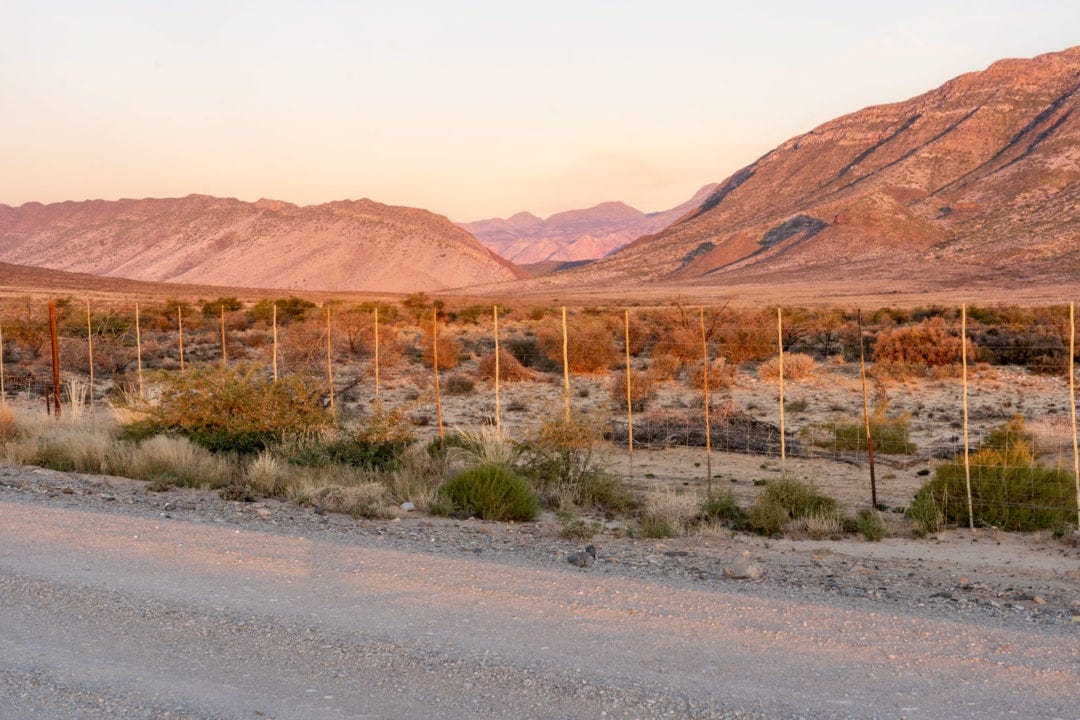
x,y
120,603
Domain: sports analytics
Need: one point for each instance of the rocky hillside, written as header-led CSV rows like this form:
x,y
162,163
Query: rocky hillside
x,y
575,234
348,245
978,178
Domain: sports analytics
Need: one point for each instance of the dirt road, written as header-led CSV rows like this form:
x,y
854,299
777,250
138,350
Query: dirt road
x,y
142,615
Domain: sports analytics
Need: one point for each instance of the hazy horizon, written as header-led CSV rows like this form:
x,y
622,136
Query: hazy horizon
x,y
472,112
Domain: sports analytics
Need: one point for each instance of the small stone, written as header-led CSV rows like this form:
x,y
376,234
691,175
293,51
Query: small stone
x,y
743,568
264,513
1038,600
406,506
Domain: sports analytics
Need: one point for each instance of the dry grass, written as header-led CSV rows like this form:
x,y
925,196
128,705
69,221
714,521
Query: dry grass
x,y
797,366
721,375
642,389
367,500
176,460
510,368
668,513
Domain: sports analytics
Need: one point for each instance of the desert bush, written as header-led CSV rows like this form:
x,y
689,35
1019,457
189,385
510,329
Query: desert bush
x,y
797,366
722,508
366,500
267,476
561,462
67,447
289,310
169,461
891,435
680,344
721,375
458,384
924,512
786,500
667,513
8,424
748,336
510,368
914,348
871,525
492,492
528,353
590,345
664,367
234,409
642,389
1009,489
574,528
449,349
1041,350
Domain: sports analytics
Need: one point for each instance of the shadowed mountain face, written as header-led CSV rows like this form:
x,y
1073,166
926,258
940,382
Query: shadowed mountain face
x,y
348,245
575,234
980,176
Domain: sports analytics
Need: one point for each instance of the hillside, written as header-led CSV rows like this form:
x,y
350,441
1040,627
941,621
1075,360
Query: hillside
x,y
978,179
348,245
576,235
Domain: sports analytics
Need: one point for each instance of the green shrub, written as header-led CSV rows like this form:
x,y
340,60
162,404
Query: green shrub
x,y
492,492
657,525
573,528
349,451
235,409
786,500
722,508
1009,489
924,512
892,436
871,525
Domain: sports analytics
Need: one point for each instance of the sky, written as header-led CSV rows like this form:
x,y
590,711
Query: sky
x,y
469,109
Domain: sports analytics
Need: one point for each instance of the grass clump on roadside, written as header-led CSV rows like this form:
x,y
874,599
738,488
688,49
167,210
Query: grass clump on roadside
x,y
491,492
1010,490
722,508
790,505
871,525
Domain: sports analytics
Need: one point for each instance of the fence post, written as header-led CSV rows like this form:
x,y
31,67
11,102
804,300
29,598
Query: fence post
x,y
498,407
435,368
329,361
224,349
138,351
705,395
3,395
55,343
180,331
780,367
967,451
866,413
275,342
90,358
565,366
1072,402
376,352
629,396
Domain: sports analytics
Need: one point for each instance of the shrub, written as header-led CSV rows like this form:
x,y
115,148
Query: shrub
x,y
590,346
656,525
914,348
347,451
1041,350
449,350
235,409
797,366
664,367
1009,489
891,436
177,461
722,508
458,384
367,500
926,515
786,500
871,525
510,368
721,375
642,389
493,492
572,528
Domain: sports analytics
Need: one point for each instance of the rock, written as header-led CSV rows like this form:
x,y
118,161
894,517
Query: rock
x,y
406,506
1038,599
743,568
583,558
264,513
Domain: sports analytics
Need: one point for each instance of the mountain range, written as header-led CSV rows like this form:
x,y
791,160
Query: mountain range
x,y
347,245
978,178
975,181
576,235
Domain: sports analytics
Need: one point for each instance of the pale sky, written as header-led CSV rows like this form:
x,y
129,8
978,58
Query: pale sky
x,y
468,109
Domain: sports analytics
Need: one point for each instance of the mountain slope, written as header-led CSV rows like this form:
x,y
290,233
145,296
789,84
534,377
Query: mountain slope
x,y
348,245
575,234
982,173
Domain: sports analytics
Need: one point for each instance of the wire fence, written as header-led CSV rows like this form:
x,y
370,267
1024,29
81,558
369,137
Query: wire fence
x,y
979,400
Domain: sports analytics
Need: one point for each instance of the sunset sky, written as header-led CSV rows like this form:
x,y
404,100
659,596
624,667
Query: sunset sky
x,y
469,109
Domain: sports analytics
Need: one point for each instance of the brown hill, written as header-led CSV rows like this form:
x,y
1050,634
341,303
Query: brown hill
x,y
575,234
977,179
348,245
